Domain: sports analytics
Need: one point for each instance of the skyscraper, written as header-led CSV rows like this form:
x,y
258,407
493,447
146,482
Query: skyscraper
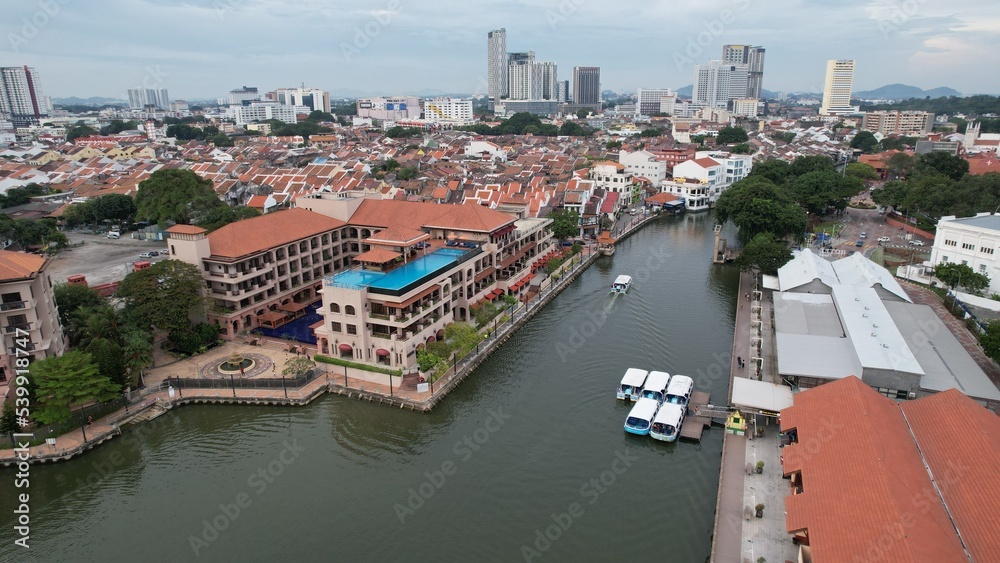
x,y
837,87
528,79
587,86
21,98
716,83
496,63
140,98
753,57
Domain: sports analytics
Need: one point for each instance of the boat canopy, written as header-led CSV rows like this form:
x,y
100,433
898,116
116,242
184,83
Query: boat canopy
x,y
657,381
623,280
634,377
644,409
680,386
669,413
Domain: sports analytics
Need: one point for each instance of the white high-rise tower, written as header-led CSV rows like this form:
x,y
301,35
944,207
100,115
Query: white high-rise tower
x,y
837,88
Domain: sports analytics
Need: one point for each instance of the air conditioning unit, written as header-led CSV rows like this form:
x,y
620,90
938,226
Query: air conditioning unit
x,y
911,395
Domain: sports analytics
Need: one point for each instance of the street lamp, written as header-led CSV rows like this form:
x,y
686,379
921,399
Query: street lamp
x,y
233,383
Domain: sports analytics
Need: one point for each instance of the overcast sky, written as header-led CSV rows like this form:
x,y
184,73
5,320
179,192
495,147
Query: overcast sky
x,y
204,48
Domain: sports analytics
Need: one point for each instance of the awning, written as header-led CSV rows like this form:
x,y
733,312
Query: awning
x,y
271,317
382,352
292,306
431,339
529,277
497,292
346,348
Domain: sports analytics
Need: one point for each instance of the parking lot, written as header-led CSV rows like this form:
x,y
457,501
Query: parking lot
x,y
872,223
100,259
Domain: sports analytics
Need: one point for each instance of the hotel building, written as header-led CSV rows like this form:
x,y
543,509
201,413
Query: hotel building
x,y
28,311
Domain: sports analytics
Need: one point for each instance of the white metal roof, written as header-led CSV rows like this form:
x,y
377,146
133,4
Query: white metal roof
x,y
680,385
669,413
634,377
874,335
623,279
859,271
824,357
644,409
806,313
804,267
761,395
657,381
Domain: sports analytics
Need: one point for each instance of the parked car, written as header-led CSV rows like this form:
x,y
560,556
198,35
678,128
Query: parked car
x,y
860,243
917,242
863,235
884,239
147,255
114,234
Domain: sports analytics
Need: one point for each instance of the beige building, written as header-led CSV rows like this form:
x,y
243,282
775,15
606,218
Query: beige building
x,y
914,123
837,88
265,270
28,311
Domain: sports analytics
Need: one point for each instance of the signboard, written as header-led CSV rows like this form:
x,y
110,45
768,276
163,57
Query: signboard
x,y
422,387
364,105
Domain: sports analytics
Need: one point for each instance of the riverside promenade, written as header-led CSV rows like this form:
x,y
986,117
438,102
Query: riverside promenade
x,y
161,396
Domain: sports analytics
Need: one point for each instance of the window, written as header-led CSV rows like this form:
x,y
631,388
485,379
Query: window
x,y
950,242
982,268
334,308
349,310
335,327
352,329
986,250
968,246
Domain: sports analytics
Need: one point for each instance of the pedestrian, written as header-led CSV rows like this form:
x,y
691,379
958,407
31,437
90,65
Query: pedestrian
x,y
90,420
739,361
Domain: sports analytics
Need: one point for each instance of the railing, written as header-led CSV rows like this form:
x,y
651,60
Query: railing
x,y
17,326
12,305
29,346
251,383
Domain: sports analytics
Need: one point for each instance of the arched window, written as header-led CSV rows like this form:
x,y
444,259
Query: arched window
x,y
349,310
334,308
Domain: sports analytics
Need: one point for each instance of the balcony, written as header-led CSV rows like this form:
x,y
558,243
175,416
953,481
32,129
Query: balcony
x,y
13,305
29,346
15,327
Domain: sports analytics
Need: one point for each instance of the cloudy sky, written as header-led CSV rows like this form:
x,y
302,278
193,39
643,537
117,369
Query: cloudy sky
x,y
203,48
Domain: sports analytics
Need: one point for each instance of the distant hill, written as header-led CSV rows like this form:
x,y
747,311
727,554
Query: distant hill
x,y
904,92
685,92
92,101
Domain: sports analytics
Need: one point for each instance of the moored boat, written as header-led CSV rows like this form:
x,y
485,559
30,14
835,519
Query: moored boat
x,y
641,417
667,422
622,283
679,390
631,384
656,386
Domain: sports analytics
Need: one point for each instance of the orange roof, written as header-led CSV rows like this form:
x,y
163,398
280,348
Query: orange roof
x,y
662,197
19,265
983,164
863,475
706,162
186,230
415,215
378,256
398,234
617,165
268,231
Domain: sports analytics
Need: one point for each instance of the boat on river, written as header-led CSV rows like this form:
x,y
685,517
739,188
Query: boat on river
x,y
667,422
632,383
656,386
621,285
606,243
640,418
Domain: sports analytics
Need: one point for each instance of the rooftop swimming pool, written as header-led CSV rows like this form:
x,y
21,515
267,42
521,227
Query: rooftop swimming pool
x,y
402,276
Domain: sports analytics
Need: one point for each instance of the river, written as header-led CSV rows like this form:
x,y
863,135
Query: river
x,y
526,460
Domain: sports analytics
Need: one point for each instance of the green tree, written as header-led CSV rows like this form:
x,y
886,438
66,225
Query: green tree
x,y
763,254
821,191
730,135
961,275
8,420
565,223
756,205
319,115
163,295
865,141
651,132
71,298
428,361
582,113
861,171
805,164
114,207
943,163
899,165
137,352
775,170
67,380
74,132
80,214
117,126
573,129
742,148
180,196
989,341
22,195
407,173
399,132
613,145
222,140
223,215
298,366
462,337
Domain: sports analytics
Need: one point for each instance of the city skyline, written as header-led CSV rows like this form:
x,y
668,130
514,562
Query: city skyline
x,y
373,50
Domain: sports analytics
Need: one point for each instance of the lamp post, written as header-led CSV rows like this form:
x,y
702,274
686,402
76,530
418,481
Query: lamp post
x,y
83,429
283,388
232,382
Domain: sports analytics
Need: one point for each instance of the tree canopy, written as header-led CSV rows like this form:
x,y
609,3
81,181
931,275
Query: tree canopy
x,y
22,195
114,207
865,141
757,205
565,223
63,381
961,275
180,196
74,132
222,215
730,135
163,295
764,254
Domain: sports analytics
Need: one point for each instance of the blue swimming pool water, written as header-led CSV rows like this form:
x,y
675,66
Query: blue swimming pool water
x,y
298,329
400,277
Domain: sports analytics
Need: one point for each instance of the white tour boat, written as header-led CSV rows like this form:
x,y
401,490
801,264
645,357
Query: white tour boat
x,y
667,422
632,384
656,386
679,390
622,283
641,417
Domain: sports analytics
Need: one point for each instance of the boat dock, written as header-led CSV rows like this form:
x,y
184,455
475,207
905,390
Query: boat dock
x,y
694,425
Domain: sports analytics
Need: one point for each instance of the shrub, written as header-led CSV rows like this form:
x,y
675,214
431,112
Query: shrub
x,y
339,362
196,339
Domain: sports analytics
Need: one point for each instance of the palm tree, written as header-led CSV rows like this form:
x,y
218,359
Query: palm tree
x,y
95,323
138,353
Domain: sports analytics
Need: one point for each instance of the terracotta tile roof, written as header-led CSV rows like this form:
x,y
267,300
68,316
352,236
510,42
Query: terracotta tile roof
x,y
960,441
268,231
662,197
706,162
377,256
186,230
398,234
416,215
983,164
19,265
862,476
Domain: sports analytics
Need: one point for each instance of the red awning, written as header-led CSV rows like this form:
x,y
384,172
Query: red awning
x,y
382,352
431,339
529,277
346,348
497,292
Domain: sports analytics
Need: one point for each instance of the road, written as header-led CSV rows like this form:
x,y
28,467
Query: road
x,y
872,223
100,259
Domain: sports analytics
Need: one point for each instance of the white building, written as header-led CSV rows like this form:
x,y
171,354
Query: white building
x,y
643,163
179,105
486,150
139,98
244,94
262,111
837,88
454,111
972,241
313,99
699,181
614,177
650,101
897,122
753,57
21,98
746,107
716,83
528,79
389,109
735,166
496,63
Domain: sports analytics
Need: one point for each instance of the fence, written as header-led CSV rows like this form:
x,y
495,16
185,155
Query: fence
x,y
239,383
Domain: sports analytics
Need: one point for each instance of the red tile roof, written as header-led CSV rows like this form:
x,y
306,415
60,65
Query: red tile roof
x,y
19,265
186,230
706,162
268,231
866,492
416,215
398,234
377,256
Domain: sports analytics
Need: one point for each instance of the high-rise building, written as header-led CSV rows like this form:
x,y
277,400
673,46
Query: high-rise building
x,y
753,57
141,98
244,94
718,82
562,91
837,87
496,63
648,101
21,98
587,86
455,111
897,122
312,98
528,79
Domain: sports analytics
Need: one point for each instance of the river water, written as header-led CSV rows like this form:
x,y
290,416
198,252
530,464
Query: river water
x,y
526,460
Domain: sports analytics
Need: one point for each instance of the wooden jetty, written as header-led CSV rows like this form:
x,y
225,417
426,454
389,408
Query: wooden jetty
x,y
694,425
